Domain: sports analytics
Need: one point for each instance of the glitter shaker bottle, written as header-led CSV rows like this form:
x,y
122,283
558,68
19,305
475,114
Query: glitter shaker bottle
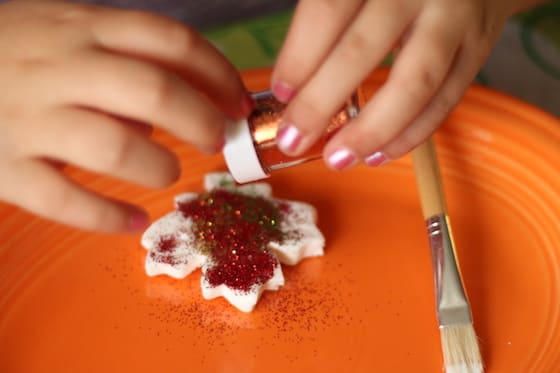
x,y
250,150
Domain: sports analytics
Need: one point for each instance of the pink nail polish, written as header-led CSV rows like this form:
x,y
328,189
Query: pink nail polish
x,y
376,159
283,92
341,159
138,221
288,139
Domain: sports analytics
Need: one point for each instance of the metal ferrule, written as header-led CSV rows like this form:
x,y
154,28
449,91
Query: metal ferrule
x,y
451,301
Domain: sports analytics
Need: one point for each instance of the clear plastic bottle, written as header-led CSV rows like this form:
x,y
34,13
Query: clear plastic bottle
x,y
251,152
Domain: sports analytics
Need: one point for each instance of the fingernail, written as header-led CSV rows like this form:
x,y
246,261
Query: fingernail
x,y
138,221
341,159
247,104
376,159
288,139
283,92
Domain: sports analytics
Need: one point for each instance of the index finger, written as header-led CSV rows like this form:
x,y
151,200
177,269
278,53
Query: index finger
x,y
316,23
172,44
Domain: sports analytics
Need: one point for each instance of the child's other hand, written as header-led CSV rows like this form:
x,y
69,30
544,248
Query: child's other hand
x,y
332,46
80,84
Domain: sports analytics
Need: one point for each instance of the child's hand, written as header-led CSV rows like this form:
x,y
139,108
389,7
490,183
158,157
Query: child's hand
x,y
332,46
80,84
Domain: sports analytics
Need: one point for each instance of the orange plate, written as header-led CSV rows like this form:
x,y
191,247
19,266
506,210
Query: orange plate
x,y
73,302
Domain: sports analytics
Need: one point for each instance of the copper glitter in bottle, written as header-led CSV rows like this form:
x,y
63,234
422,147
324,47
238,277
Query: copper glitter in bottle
x,y
251,152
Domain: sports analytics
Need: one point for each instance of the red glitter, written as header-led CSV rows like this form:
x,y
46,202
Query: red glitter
x,y
166,244
165,249
166,259
234,230
284,208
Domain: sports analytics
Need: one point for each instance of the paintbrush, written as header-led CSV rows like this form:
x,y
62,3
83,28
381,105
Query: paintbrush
x,y
459,342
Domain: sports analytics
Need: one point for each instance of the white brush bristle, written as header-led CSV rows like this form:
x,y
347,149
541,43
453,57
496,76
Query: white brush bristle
x,y
461,353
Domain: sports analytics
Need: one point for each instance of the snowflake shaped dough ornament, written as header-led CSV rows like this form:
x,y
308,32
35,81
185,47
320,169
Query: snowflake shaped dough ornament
x,y
237,235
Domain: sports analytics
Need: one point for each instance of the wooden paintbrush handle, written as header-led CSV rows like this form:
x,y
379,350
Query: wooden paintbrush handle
x,y
428,179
